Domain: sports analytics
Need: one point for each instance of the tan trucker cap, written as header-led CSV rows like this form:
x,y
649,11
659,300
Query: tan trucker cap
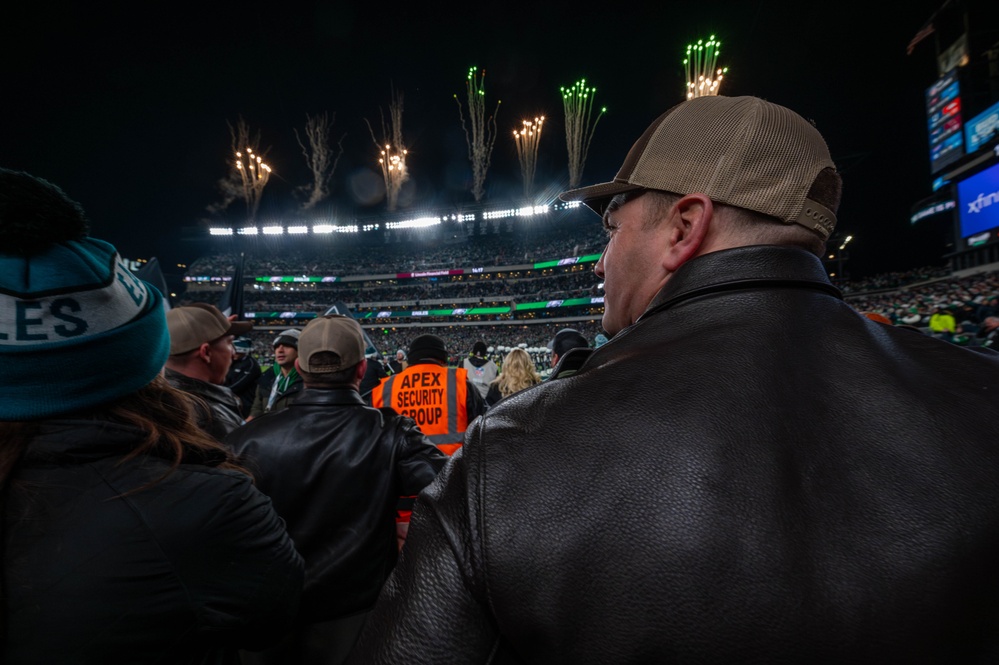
x,y
741,151
192,325
335,333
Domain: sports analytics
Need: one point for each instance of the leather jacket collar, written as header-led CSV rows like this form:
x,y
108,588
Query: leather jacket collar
x,y
329,396
743,267
203,389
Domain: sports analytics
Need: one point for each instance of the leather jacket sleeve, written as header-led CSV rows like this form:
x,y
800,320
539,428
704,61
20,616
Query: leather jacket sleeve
x,y
220,421
259,400
417,460
246,380
434,608
244,579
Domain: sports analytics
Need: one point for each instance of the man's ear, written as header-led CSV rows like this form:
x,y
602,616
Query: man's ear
x,y
362,367
298,368
205,353
689,222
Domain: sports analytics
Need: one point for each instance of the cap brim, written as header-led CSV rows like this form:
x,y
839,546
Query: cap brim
x,y
240,328
596,197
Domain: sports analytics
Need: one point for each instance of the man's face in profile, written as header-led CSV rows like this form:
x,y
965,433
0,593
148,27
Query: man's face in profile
x,y
631,263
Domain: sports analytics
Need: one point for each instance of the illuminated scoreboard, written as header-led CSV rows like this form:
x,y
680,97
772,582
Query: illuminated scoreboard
x,y
943,115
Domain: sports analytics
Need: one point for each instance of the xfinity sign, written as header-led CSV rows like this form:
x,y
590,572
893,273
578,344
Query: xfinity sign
x,y
978,202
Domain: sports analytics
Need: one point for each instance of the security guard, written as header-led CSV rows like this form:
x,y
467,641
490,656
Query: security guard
x,y
439,398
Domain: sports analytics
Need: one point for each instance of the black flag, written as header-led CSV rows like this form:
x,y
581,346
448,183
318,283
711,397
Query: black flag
x,y
151,273
340,308
232,299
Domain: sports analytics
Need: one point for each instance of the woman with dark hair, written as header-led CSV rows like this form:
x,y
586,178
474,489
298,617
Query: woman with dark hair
x,y
129,535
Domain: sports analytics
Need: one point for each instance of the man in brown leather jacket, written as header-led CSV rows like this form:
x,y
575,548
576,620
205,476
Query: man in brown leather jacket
x,y
335,468
201,353
749,471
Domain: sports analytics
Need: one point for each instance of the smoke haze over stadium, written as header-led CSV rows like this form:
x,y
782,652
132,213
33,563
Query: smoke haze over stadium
x,y
127,110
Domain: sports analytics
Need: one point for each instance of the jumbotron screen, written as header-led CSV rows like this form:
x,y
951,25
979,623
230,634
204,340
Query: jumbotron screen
x,y
943,116
978,202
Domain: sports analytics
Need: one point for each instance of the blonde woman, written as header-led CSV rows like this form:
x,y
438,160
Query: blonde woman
x,y
517,373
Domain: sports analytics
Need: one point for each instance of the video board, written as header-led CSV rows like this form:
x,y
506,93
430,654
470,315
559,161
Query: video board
x,y
982,128
978,202
943,115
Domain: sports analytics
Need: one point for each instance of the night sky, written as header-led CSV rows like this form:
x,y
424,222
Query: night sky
x,y
127,111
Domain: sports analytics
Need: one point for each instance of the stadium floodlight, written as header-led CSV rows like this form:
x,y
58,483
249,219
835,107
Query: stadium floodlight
x,y
248,231
297,230
418,223
217,231
273,230
531,211
322,228
500,214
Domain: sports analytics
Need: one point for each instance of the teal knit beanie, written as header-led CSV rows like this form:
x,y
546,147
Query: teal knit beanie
x,y
77,329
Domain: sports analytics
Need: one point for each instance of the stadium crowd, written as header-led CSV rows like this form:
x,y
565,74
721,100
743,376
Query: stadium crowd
x,y
342,260
440,291
459,339
911,300
905,297
722,480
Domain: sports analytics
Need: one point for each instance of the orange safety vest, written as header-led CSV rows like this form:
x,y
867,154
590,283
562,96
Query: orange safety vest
x,y
434,396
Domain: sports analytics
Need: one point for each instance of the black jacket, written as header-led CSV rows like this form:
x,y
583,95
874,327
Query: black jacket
x,y
242,380
98,571
373,375
752,472
224,409
334,468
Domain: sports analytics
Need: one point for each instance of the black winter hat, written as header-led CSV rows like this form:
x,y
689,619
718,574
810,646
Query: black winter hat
x,y
427,346
566,340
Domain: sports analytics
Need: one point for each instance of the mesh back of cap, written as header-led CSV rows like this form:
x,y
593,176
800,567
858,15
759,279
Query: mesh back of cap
x,y
742,151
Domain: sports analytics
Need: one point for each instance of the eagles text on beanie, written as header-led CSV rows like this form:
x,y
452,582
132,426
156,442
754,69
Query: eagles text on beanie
x,y
77,328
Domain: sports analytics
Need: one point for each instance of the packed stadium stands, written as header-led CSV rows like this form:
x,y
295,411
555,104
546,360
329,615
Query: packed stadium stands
x,y
506,289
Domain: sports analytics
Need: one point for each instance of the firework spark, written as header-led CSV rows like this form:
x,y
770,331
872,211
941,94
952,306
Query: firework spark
x,y
703,78
254,173
482,136
392,151
527,139
579,126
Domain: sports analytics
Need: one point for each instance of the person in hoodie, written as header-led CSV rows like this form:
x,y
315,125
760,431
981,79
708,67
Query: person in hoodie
x,y
481,369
